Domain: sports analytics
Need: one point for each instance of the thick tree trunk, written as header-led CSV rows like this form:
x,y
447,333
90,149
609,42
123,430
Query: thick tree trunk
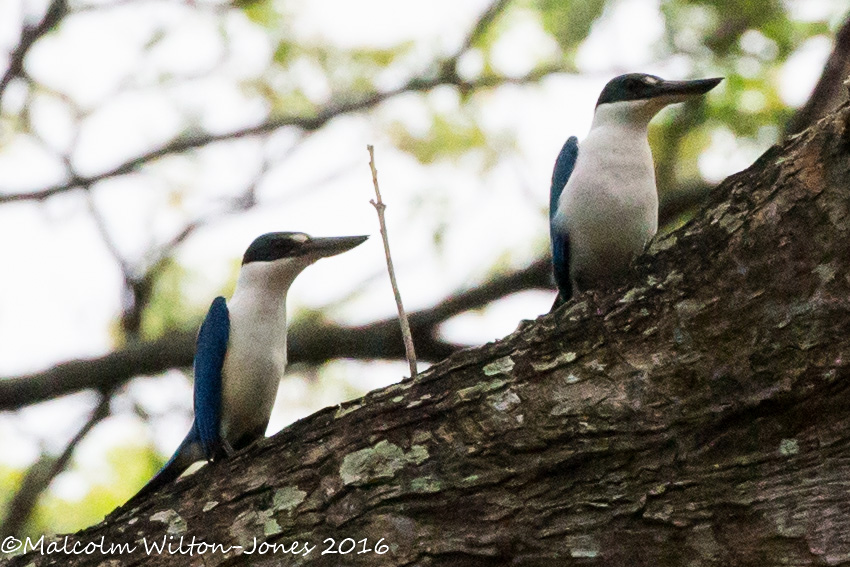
x,y
698,417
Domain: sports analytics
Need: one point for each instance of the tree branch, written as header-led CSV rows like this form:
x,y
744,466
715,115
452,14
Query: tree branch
x,y
41,474
29,35
311,342
305,123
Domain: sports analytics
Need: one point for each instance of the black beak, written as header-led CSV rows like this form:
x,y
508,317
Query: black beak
x,y
331,245
686,88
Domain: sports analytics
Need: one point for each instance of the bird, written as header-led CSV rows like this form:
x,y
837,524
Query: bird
x,y
241,351
603,203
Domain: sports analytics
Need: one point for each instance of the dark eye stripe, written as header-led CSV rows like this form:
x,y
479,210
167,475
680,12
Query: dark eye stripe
x,y
274,246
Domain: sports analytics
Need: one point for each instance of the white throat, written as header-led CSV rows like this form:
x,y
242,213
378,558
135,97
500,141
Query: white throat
x,y
269,278
630,114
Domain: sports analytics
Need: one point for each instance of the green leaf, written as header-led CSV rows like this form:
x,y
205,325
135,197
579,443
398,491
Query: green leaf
x,y
569,22
450,137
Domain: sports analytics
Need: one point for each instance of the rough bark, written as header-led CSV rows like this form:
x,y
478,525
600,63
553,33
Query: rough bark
x,y
695,417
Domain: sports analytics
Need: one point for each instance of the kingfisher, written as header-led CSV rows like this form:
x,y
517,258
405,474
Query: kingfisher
x,y
603,204
240,354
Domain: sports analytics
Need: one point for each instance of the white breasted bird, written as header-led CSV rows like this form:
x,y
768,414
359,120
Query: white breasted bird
x,y
603,204
241,350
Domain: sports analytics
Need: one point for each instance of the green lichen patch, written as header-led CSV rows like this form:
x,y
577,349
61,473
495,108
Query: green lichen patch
x,y
470,480
503,365
426,484
662,244
560,360
343,411
473,392
788,447
730,223
632,295
271,527
417,455
176,524
504,401
287,498
421,437
577,311
674,278
383,460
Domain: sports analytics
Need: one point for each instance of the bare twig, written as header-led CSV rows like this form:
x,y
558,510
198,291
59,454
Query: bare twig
x,y
402,316
379,205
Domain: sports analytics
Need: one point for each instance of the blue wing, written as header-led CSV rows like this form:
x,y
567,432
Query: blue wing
x,y
559,236
563,169
203,441
209,361
561,267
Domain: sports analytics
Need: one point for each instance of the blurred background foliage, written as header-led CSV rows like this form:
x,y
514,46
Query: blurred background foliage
x,y
308,81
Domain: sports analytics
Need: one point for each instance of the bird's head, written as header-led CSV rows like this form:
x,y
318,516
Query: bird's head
x,y
277,257
637,97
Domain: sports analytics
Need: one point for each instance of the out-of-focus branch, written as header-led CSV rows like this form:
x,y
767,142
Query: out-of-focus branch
x,y
826,95
311,342
828,91
139,288
134,292
448,67
304,123
485,20
29,35
42,473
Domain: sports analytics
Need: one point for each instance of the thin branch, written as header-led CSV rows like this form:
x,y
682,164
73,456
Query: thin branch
x,y
133,291
305,123
138,287
29,35
312,342
246,201
448,67
482,25
379,205
42,473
